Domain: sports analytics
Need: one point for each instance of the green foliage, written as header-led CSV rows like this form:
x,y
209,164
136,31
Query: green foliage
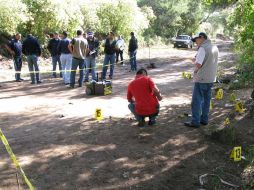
x,y
12,13
242,21
173,17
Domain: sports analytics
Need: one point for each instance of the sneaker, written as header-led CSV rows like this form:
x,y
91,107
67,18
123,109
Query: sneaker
x,y
32,83
151,122
18,80
39,82
21,79
190,124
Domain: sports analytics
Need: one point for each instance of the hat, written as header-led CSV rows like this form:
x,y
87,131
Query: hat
x,y
90,34
199,35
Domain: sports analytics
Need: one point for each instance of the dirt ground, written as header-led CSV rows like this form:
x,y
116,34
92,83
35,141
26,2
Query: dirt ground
x,y
60,145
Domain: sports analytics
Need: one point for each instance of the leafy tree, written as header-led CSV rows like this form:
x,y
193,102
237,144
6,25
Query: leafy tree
x,y
12,13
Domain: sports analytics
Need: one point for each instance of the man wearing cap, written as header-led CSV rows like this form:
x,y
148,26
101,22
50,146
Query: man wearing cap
x,y
52,47
65,57
206,64
15,49
78,48
143,96
93,46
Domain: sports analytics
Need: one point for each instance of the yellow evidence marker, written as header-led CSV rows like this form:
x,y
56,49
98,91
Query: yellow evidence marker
x,y
236,153
98,114
227,121
239,107
211,105
219,94
232,97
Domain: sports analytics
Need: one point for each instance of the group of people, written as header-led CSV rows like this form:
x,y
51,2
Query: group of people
x,y
79,52
142,94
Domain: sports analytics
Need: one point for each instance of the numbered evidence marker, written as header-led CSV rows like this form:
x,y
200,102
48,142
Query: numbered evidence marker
x,y
232,97
98,114
227,122
239,107
211,105
219,94
236,153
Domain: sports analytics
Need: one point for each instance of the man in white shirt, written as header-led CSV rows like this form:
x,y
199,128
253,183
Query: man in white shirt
x,y
120,45
206,64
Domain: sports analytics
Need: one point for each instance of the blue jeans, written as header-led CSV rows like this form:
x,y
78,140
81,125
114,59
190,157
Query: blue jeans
x,y
33,67
200,104
90,66
142,117
55,60
75,64
66,60
108,59
133,60
17,65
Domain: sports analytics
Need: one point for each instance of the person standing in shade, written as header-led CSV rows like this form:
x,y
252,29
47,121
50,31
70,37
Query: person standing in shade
x,y
32,49
52,47
93,46
78,48
133,46
15,49
110,55
120,48
65,57
143,96
206,64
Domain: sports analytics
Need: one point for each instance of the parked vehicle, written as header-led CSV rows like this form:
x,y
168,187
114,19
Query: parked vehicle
x,y
183,41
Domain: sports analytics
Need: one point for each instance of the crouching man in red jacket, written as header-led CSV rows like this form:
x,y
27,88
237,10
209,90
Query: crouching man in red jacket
x,y
144,96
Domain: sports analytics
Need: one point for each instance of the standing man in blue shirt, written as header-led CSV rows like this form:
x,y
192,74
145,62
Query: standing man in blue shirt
x,y
65,57
52,47
15,49
32,49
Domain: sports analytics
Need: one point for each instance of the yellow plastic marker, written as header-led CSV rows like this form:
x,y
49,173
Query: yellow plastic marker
x,y
239,107
15,161
188,75
219,94
227,122
183,74
211,105
232,97
236,153
98,114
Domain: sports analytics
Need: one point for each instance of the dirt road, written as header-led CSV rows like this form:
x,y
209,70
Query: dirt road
x,y
60,146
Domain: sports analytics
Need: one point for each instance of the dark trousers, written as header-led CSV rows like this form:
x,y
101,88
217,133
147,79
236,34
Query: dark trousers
x,y
17,65
33,67
121,56
75,64
55,60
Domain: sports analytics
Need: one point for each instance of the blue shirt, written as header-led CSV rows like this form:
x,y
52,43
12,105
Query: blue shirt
x,y
16,46
63,46
31,46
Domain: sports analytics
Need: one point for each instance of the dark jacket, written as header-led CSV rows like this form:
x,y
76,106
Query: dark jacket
x,y
31,46
52,46
62,47
16,46
93,45
133,44
110,49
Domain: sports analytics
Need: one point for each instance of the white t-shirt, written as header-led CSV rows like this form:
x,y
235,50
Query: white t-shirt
x,y
200,56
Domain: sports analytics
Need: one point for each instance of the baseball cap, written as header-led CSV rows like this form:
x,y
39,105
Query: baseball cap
x,y
90,34
199,35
